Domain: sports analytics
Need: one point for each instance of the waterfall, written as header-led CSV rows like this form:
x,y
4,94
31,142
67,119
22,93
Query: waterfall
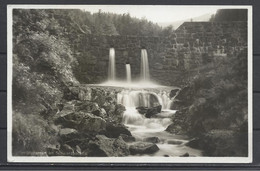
x,y
145,75
166,101
111,65
140,98
130,98
128,73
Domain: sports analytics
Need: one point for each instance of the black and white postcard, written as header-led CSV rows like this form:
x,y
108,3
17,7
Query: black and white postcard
x,y
129,83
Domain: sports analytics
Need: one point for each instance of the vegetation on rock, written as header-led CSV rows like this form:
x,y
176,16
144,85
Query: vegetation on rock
x,y
215,101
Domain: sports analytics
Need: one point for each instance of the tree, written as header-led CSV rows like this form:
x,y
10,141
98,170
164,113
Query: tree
x,y
230,15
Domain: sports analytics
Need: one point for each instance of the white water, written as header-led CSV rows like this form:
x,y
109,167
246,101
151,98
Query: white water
x,y
144,98
145,74
135,94
112,65
144,81
151,128
142,127
128,73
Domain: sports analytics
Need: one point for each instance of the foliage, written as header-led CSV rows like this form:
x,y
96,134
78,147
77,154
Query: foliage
x,y
31,135
42,61
216,99
229,15
213,107
42,70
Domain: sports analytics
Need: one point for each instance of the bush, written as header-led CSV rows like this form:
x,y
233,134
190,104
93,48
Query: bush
x,y
31,135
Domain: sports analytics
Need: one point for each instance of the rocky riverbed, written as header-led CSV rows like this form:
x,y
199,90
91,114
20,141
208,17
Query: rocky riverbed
x,y
91,124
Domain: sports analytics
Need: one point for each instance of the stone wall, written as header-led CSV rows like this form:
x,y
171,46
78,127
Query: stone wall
x,y
192,45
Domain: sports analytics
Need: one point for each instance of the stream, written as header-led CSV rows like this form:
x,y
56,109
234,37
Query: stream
x,y
170,145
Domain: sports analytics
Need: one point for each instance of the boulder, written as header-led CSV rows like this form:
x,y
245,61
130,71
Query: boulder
x,y
88,107
107,147
143,148
115,130
91,123
149,112
67,150
142,110
127,138
115,112
67,119
67,133
81,121
175,129
152,139
100,112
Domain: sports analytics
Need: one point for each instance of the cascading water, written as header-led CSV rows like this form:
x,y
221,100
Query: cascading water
x,y
128,73
140,98
166,101
111,65
142,127
136,98
145,74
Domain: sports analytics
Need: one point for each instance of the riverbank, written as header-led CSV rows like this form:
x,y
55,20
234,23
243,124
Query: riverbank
x,y
213,109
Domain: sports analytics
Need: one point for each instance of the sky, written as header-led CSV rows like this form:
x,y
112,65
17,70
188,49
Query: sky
x,y
156,13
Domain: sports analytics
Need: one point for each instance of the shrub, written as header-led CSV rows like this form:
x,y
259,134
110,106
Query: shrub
x,y
31,135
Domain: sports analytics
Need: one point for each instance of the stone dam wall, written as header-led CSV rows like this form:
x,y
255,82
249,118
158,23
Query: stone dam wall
x,y
194,44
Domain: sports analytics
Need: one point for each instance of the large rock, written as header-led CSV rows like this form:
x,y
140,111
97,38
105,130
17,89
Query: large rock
x,y
142,110
143,148
127,138
107,147
67,150
92,123
153,111
114,130
87,106
91,107
149,112
174,129
67,134
81,121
